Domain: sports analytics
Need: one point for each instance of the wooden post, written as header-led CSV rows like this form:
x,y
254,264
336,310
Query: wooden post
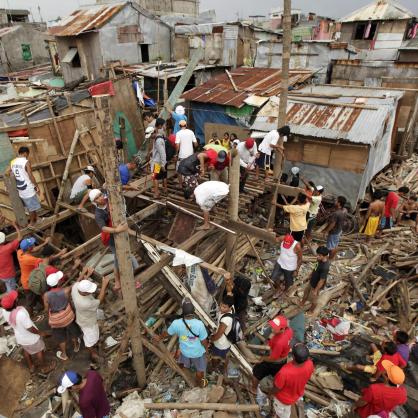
x,y
233,204
287,45
118,216
15,200
54,121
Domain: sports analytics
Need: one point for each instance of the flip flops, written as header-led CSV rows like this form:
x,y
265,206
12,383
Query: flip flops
x,y
77,346
60,356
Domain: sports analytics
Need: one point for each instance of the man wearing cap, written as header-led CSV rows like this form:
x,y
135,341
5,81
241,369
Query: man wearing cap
x,y
288,264
247,151
218,161
7,265
92,398
79,191
290,381
384,396
26,333
279,345
193,342
86,306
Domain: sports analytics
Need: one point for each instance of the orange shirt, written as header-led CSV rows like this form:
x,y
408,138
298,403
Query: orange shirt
x,y
27,263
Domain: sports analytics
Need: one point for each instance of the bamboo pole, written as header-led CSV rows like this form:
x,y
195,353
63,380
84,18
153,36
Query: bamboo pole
x,y
54,121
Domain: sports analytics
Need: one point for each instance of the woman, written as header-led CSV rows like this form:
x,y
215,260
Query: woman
x,y
61,315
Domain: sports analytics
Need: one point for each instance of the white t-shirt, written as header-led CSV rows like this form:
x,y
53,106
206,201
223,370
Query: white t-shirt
x,y
223,343
209,193
247,156
315,203
270,139
24,184
79,185
185,138
85,308
23,323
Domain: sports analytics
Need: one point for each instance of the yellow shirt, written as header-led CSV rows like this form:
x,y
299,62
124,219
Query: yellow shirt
x,y
297,216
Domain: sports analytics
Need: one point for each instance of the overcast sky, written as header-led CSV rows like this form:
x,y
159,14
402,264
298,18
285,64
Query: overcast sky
x,y
225,9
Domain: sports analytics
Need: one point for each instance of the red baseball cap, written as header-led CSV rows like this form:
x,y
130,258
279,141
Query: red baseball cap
x,y
288,241
8,300
278,323
249,143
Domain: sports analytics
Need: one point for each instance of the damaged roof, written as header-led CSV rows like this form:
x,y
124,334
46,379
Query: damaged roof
x,y
85,20
331,121
249,81
379,10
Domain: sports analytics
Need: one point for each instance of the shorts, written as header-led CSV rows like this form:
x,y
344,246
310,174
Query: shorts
x,y
281,410
32,204
279,272
90,335
62,334
333,240
386,222
309,295
10,284
76,200
162,175
297,235
199,363
371,226
36,348
311,224
217,352
263,161
265,368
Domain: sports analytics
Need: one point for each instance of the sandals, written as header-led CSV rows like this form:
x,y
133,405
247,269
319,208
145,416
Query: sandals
x,y
204,382
60,356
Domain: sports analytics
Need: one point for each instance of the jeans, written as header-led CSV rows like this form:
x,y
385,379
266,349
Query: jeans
x,y
10,284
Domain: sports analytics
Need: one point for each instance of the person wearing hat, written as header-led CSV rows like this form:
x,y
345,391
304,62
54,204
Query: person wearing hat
x,y
294,180
92,398
26,333
7,265
86,306
334,228
193,342
84,183
290,381
279,345
385,395
314,194
104,222
247,151
61,315
178,115
219,161
288,264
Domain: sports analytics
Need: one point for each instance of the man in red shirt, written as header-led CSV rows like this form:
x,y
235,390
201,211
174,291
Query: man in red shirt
x,y
7,267
279,349
391,205
290,381
385,396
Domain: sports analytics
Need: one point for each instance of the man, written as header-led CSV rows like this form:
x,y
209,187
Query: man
x,y
384,396
294,180
26,183
297,214
178,115
103,221
126,176
248,154
391,205
26,333
334,228
288,264
193,342
409,209
7,265
239,288
317,278
314,194
279,345
158,164
219,161
207,195
290,381
186,142
92,398
86,310
149,119
374,214
79,192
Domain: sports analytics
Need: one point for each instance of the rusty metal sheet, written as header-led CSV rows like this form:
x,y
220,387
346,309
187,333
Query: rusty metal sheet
x,y
379,10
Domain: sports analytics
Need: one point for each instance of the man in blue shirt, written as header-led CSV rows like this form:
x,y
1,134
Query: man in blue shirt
x,y
178,115
126,176
192,341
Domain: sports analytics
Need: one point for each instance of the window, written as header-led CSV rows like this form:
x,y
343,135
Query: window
x,y
26,52
144,52
365,30
72,57
129,34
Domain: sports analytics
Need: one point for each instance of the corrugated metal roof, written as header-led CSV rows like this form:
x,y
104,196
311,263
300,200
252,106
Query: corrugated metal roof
x,y
332,121
84,20
379,10
265,82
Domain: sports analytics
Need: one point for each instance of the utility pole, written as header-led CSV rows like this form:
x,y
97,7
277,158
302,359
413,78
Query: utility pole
x,y
118,216
287,45
233,205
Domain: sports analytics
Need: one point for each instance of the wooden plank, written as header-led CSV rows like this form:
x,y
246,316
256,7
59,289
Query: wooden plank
x,y
316,154
348,158
15,200
242,228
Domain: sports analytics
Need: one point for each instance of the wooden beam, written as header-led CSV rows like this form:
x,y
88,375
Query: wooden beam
x,y
15,200
285,190
204,406
242,228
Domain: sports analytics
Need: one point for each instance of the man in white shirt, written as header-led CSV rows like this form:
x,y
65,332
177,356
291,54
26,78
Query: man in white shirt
x,y
314,194
186,142
247,151
79,192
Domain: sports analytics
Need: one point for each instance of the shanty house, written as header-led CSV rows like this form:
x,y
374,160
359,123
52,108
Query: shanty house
x,y
91,38
379,28
341,136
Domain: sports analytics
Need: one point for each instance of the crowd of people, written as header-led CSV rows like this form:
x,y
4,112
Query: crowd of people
x,y
71,308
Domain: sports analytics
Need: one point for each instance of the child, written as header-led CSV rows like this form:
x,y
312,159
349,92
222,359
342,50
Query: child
x,y
401,339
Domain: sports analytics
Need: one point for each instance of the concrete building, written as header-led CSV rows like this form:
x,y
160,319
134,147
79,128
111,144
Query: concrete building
x,y
22,46
378,28
10,16
91,38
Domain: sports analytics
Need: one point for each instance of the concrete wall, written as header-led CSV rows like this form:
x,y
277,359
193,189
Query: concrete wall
x,y
11,58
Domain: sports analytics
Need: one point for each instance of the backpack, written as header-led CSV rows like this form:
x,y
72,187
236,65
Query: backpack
x,y
235,334
37,280
170,150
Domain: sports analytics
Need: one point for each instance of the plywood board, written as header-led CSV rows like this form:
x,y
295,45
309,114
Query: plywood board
x,y
316,154
220,129
352,159
293,150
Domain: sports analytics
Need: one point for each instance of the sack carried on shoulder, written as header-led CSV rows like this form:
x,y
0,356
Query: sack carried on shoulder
x,y
62,318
